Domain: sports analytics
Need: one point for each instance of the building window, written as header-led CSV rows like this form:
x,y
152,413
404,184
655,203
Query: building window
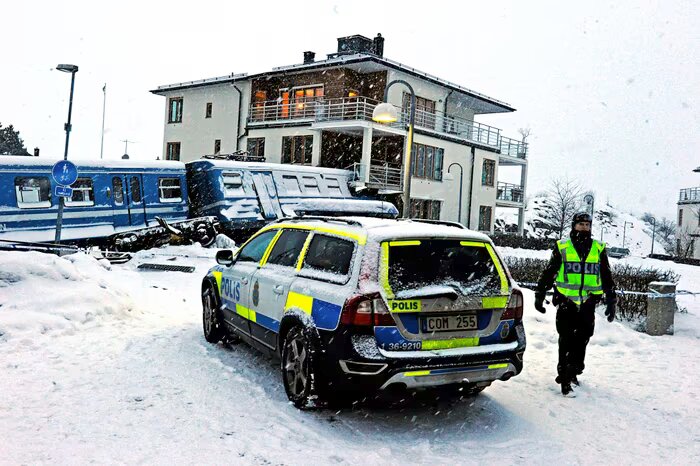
x,y
217,146
487,172
207,112
427,162
256,147
259,99
172,151
297,149
485,218
33,192
680,217
83,194
425,110
169,190
175,110
424,208
304,102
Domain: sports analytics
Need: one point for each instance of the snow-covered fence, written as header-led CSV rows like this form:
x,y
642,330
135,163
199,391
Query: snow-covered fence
x,y
632,282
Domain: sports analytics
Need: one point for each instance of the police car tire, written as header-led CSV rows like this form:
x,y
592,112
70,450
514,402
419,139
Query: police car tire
x,y
214,331
296,372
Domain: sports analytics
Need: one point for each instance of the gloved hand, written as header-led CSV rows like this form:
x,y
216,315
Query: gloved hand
x,y
539,303
610,310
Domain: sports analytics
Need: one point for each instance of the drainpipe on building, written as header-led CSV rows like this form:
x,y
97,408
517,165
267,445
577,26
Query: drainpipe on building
x,y
238,123
471,184
444,111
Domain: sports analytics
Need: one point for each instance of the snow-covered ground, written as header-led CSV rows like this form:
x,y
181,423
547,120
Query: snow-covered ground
x,y
107,364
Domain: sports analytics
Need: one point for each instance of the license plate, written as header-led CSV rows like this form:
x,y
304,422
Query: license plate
x,y
449,323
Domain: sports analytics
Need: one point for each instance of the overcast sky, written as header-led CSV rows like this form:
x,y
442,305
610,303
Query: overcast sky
x,y
609,89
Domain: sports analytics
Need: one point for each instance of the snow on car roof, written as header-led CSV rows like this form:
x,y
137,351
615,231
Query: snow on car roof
x,y
379,229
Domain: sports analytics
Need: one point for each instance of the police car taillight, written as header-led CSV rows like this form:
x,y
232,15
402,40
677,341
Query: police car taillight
x,y
515,306
366,310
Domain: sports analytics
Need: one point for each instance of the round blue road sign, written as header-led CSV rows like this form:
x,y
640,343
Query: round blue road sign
x,y
64,172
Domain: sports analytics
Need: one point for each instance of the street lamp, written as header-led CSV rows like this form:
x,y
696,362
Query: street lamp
x,y
653,233
589,199
387,113
72,69
624,232
461,173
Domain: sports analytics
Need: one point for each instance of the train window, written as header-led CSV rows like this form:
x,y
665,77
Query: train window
x,y
291,184
169,190
311,184
333,186
135,188
33,192
233,184
118,189
83,194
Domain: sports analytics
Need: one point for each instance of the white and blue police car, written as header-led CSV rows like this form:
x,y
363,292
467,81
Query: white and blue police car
x,y
357,304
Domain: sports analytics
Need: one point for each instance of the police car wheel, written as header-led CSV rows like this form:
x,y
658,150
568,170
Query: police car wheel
x,y
213,330
298,366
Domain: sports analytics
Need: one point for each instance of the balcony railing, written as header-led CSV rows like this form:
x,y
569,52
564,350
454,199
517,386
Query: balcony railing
x,y
509,192
513,147
380,176
689,195
318,109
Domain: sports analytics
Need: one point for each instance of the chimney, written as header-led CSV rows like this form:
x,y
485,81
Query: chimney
x,y
309,57
378,45
36,152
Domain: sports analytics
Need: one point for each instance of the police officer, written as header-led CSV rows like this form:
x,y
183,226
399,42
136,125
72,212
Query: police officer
x,y
580,273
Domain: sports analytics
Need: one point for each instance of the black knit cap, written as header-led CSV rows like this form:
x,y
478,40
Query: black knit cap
x,y
581,217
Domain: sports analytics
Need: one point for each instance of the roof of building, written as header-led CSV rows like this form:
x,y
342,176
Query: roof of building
x,y
480,103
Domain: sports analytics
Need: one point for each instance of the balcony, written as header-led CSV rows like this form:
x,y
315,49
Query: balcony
x,y
321,109
509,193
689,196
382,177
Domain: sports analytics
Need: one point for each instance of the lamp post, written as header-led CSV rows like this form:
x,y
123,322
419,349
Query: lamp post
x,y
624,233
653,233
589,199
461,174
72,69
387,113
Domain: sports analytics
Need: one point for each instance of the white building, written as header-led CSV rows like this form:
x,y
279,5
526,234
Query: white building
x,y
319,113
688,232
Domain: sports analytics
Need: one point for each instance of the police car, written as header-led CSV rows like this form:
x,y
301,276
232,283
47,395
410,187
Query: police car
x,y
364,304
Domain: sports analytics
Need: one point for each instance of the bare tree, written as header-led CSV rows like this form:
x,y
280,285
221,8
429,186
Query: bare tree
x,y
563,201
666,229
525,133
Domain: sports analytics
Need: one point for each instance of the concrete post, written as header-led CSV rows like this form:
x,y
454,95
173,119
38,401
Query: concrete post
x,y
661,311
366,152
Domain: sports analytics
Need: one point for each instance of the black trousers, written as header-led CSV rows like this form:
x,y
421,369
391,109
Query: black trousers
x,y
575,327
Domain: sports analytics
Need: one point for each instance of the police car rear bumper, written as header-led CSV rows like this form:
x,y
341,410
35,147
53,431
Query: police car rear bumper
x,y
415,369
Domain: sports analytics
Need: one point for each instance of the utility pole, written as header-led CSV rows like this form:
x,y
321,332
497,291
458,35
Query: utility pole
x,y
126,145
104,106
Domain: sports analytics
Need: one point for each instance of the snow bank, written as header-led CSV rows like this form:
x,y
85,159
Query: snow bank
x,y
41,293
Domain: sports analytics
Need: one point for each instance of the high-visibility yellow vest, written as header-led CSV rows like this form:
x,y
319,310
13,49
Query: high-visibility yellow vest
x,y
577,279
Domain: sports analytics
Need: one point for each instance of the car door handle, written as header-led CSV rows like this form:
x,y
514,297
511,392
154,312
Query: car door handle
x,y
279,289
244,281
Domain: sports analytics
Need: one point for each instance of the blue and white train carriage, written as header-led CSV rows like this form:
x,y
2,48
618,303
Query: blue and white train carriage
x,y
114,203
244,196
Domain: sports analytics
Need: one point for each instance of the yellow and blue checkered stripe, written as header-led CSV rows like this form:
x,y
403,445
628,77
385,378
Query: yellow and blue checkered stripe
x,y
325,314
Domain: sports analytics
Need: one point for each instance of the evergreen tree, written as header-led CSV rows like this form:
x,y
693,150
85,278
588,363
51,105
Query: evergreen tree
x,y
10,142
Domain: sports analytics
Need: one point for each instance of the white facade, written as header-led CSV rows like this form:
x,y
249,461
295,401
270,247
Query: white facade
x,y
197,133
688,223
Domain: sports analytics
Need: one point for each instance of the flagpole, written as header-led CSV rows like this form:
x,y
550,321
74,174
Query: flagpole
x,y
104,104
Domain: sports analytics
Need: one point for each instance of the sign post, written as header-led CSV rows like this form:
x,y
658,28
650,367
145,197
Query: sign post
x,y
64,173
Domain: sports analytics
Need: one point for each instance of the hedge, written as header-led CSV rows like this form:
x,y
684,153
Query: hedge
x,y
627,278
516,241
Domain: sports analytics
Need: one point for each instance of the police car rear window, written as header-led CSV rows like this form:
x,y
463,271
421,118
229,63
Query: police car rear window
x,y
417,264
329,254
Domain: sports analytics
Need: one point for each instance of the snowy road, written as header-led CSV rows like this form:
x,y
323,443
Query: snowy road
x,y
138,384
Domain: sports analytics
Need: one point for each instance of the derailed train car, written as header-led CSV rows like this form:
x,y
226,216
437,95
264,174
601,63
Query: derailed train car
x,y
122,205
244,196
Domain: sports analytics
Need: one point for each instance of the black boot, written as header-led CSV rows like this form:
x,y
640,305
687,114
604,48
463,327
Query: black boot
x,y
574,381
566,390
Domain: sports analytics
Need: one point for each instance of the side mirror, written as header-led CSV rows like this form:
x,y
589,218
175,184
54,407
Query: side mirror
x,y
225,257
